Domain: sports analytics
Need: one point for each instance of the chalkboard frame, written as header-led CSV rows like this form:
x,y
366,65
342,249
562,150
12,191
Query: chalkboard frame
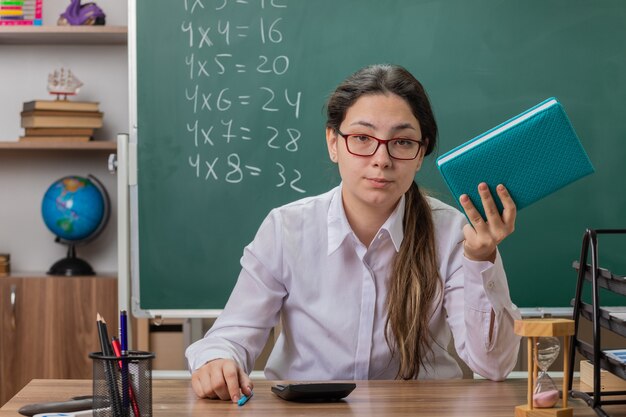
x,y
586,189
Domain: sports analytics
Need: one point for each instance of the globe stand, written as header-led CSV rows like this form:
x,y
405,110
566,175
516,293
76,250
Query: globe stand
x,y
71,265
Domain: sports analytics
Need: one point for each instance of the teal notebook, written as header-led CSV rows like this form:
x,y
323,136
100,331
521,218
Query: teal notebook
x,y
533,154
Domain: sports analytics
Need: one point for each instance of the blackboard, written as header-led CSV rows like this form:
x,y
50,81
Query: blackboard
x,y
230,120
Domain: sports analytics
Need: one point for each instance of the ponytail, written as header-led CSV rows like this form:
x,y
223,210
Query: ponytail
x,y
414,285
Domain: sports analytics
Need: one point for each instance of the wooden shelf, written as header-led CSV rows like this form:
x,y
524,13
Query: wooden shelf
x,y
97,145
63,35
37,275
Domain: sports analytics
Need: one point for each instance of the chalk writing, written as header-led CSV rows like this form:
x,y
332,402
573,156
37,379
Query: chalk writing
x,y
243,113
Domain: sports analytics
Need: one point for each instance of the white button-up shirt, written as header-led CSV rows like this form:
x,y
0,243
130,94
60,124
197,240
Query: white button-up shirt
x,y
307,268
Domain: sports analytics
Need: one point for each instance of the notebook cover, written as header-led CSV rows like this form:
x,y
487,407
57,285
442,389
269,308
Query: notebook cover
x,y
533,154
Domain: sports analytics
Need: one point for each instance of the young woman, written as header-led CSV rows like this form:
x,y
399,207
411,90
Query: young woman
x,y
371,279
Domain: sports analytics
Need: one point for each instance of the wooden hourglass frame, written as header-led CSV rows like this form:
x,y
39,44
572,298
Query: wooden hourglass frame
x,y
533,329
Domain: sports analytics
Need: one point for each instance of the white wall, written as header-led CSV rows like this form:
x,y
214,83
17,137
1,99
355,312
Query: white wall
x,y
25,175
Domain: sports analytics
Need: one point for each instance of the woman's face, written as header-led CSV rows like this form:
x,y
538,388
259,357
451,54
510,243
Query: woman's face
x,y
375,182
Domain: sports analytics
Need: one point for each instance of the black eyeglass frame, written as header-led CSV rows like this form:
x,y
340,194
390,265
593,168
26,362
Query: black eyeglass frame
x,y
379,142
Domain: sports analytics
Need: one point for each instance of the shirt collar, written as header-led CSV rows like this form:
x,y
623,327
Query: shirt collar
x,y
339,228
395,225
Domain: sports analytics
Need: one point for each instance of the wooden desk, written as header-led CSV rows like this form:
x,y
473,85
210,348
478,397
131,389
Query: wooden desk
x,y
173,398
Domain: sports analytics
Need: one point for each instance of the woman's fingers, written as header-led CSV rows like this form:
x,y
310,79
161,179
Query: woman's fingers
x,y
245,383
510,209
489,206
221,378
196,384
483,237
472,213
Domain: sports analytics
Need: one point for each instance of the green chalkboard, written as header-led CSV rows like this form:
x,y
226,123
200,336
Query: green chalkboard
x,y
230,120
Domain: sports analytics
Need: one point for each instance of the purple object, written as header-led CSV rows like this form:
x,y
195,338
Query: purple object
x,y
85,14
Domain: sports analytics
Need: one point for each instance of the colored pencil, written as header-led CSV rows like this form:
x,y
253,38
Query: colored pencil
x,y
118,352
109,370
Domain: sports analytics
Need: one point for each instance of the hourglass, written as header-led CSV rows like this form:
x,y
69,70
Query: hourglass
x,y
545,392
543,349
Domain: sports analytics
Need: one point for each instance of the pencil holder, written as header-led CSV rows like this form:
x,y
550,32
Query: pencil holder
x,y
122,386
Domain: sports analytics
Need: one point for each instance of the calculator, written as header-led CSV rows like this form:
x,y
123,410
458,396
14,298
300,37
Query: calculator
x,y
314,392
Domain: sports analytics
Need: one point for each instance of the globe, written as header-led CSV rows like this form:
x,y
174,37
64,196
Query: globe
x,y
75,209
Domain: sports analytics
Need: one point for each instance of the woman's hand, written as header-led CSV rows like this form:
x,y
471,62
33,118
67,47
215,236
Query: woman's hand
x,y
482,239
221,378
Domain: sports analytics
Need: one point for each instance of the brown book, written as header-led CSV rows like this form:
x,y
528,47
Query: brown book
x,y
58,131
38,120
52,113
57,139
63,105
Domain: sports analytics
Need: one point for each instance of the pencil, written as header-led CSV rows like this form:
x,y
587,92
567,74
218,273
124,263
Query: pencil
x,y
104,336
118,352
109,370
124,352
123,333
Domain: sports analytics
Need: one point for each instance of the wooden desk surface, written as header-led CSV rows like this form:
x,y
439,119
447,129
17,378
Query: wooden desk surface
x,y
173,398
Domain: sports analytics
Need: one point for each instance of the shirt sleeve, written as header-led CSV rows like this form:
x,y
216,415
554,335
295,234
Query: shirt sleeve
x,y
253,309
473,290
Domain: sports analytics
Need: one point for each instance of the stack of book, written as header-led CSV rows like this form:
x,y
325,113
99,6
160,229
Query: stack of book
x,y
60,121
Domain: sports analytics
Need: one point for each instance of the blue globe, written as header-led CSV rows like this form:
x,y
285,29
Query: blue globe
x,y
74,208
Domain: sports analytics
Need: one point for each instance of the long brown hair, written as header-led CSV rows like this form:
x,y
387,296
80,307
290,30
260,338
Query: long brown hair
x,y
415,283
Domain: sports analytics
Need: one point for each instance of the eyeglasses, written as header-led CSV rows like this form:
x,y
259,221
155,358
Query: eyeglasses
x,y
365,145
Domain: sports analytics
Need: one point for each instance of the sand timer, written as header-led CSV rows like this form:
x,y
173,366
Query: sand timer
x,y
545,393
543,348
